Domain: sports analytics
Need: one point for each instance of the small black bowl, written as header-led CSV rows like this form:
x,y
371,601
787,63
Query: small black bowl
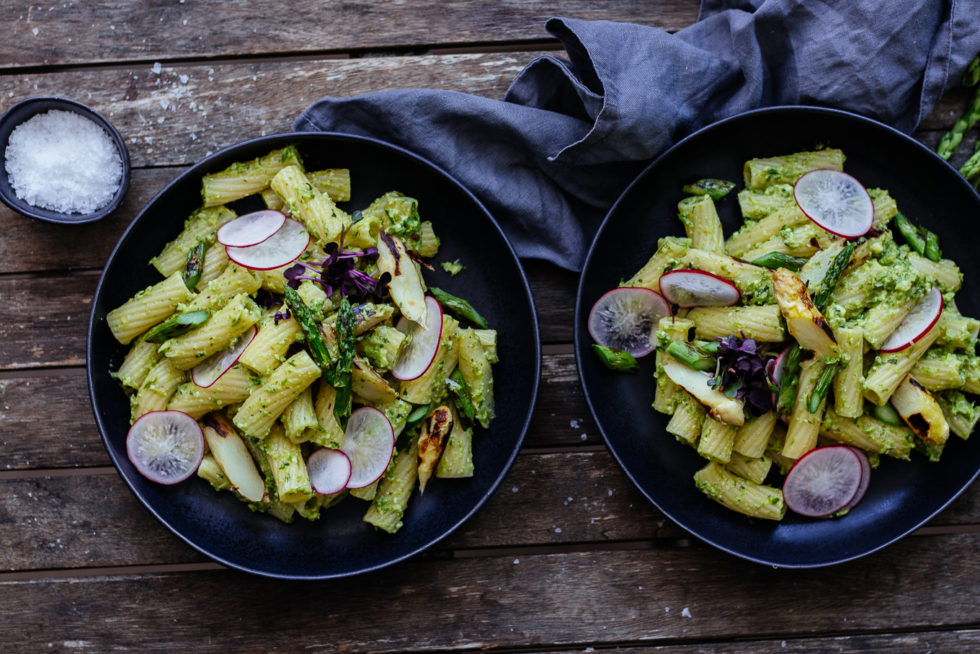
x,y
26,110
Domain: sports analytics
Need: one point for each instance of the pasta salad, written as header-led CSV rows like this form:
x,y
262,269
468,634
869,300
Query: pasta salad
x,y
295,355
792,354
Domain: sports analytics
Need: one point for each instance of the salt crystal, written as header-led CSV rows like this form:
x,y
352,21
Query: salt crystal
x,y
156,68
64,162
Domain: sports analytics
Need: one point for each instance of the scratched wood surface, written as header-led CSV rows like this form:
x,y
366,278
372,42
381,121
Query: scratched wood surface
x,y
567,556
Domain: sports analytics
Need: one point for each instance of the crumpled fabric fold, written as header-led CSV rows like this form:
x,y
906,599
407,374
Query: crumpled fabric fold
x,y
550,158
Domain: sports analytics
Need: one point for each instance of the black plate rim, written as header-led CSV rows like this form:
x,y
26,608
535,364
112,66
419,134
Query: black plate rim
x,y
195,169
581,335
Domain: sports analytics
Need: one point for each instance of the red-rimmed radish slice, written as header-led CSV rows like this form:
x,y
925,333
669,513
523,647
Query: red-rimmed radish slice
x,y
835,201
206,373
823,481
165,446
865,479
625,317
423,342
917,323
251,228
369,443
697,288
778,365
329,470
290,241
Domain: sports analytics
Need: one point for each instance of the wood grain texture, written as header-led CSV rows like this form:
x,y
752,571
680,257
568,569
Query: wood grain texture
x,y
187,111
530,601
121,31
578,500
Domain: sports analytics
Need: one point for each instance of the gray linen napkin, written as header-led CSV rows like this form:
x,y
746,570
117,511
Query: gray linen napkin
x,y
551,157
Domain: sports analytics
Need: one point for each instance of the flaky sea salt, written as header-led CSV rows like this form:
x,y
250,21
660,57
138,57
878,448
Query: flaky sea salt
x,y
64,162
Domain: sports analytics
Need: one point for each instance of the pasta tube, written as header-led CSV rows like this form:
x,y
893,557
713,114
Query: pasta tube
x,y
265,404
739,494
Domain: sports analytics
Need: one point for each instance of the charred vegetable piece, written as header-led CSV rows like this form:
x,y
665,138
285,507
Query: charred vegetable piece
x,y
176,325
618,360
194,266
405,285
803,320
458,307
435,430
344,326
715,188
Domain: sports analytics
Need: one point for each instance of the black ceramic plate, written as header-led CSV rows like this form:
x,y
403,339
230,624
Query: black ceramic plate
x,y
339,544
903,495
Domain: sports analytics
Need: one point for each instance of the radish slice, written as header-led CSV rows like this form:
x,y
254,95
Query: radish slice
x,y
917,323
369,443
778,366
865,479
165,446
697,288
625,317
823,481
210,370
835,201
285,245
423,342
251,229
329,470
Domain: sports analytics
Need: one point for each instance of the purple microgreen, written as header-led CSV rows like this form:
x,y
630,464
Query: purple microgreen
x,y
338,272
741,373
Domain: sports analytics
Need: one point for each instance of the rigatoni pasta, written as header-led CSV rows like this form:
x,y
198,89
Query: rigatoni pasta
x,y
276,362
818,341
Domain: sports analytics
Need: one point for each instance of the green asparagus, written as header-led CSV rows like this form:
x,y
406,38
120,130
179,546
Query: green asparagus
x,y
952,139
820,390
458,307
344,327
177,325
715,188
461,393
833,275
789,381
194,266
614,359
314,339
780,260
691,356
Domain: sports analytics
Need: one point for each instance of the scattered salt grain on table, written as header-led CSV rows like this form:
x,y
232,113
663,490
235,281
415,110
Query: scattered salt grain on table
x,y
64,162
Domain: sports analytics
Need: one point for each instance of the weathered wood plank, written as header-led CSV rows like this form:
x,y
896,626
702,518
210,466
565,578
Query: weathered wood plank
x,y
187,111
90,518
99,32
595,599
965,640
52,320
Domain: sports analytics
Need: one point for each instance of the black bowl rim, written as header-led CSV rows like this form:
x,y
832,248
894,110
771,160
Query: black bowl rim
x,y
195,170
579,335
22,110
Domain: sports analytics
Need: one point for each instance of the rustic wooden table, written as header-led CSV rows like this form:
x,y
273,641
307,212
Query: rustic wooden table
x,y
566,556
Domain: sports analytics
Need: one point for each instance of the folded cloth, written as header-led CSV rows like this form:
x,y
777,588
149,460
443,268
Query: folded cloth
x,y
550,158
